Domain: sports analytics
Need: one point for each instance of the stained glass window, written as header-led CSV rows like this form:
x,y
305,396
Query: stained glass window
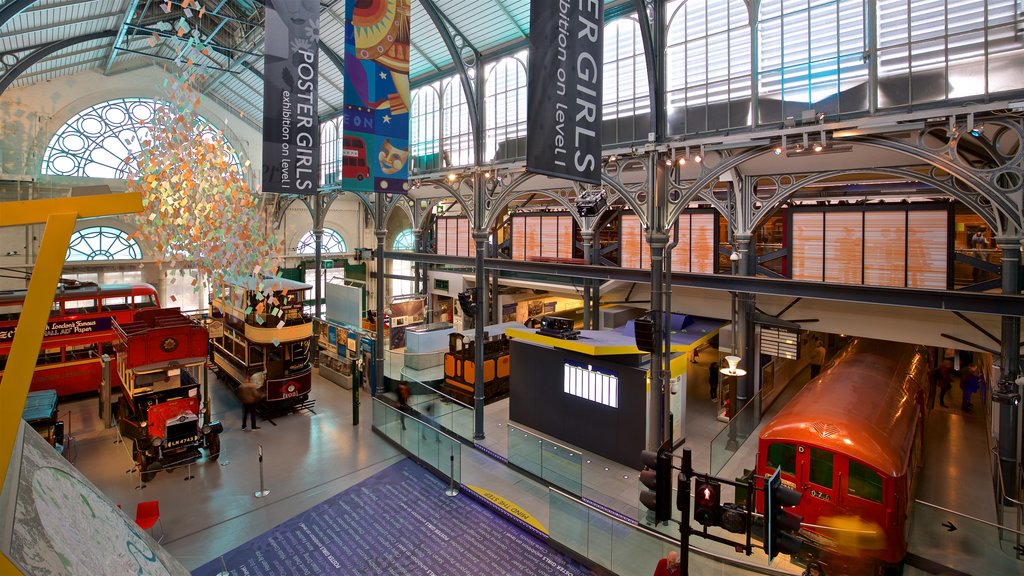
x,y
97,142
330,243
102,243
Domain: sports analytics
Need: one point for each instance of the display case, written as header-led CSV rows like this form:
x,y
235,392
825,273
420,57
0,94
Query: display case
x,y
335,368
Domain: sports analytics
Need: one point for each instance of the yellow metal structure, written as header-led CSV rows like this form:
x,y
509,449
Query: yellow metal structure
x,y
59,215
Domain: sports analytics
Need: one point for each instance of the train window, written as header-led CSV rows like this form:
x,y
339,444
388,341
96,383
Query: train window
x,y
784,456
79,306
864,482
255,355
821,467
83,352
55,308
49,356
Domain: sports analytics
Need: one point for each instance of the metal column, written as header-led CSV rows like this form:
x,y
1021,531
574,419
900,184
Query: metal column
x,y
1009,415
378,348
480,320
588,242
743,333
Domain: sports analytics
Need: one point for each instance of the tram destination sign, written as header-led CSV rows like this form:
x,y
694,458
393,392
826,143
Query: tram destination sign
x,y
64,328
565,89
291,128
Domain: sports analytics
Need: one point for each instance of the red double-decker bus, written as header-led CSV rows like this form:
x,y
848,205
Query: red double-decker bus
x,y
79,331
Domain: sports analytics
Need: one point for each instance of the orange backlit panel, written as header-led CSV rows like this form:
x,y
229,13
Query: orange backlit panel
x,y
808,245
885,250
844,236
927,247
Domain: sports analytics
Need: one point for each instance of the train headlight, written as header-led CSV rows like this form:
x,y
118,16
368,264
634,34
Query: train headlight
x,y
157,441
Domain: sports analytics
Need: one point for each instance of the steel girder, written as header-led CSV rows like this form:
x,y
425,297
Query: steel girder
x,y
40,53
976,302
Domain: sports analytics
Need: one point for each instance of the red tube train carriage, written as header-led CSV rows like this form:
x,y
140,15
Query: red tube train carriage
x,y
161,359
262,328
850,441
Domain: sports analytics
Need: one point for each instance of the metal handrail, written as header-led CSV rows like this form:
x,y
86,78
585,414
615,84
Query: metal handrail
x,y
408,415
972,518
660,536
439,393
571,449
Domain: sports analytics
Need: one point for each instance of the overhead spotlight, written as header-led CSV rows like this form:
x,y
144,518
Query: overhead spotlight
x,y
977,131
818,147
613,158
821,117
698,158
777,150
682,160
668,161
487,175
735,257
452,177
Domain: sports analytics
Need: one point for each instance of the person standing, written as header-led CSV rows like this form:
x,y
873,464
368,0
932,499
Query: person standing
x,y
403,394
944,380
251,394
668,566
817,358
713,380
978,245
970,383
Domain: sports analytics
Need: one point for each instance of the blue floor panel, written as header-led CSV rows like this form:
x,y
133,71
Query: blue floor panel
x,y
399,521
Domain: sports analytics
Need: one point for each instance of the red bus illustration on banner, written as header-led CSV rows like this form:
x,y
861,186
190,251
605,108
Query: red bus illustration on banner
x,y
353,158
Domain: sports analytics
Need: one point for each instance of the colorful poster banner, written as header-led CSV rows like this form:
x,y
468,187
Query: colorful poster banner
x,y
291,126
564,89
375,146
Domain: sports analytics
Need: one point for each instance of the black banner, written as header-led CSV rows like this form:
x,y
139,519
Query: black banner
x,y
564,110
291,127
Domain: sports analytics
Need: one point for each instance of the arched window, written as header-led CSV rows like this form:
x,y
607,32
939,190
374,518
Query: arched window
x,y
102,243
97,142
505,108
425,128
330,243
811,54
626,94
329,151
708,65
405,240
456,129
935,50
625,70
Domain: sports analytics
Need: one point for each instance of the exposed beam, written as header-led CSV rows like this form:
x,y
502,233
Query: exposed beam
x,y
424,55
504,10
333,57
12,9
29,60
64,24
947,300
129,12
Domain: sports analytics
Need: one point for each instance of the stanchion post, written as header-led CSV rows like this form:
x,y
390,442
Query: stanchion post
x,y
452,490
683,504
262,491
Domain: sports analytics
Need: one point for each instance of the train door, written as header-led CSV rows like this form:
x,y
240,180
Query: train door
x,y
816,478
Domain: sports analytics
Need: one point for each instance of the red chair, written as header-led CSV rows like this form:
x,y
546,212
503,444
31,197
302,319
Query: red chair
x,y
147,515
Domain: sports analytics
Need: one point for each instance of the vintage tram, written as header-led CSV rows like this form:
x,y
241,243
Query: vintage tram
x,y
261,327
850,442
161,361
79,331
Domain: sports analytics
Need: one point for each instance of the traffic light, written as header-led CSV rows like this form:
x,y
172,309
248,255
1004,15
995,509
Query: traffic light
x,y
657,476
780,526
643,334
707,503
